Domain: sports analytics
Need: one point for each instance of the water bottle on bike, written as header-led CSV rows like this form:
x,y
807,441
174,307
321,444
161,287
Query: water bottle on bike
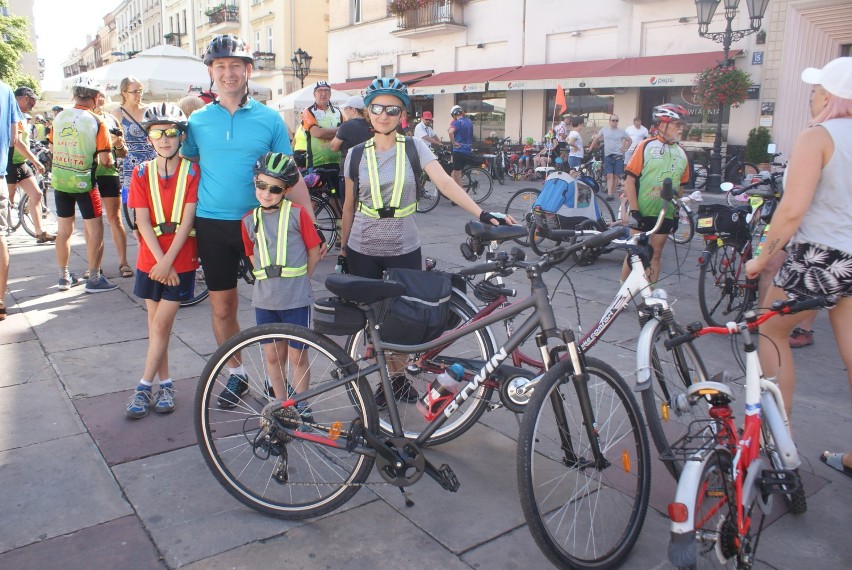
x,y
441,392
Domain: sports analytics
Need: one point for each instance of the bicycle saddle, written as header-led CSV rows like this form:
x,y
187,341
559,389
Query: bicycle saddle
x,y
363,290
494,233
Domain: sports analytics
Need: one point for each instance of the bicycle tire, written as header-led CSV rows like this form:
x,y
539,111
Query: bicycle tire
x,y
699,176
797,501
49,221
129,217
13,213
606,212
667,411
290,479
715,511
477,183
520,207
538,242
421,374
737,172
199,290
724,293
586,257
685,226
429,195
326,220
553,489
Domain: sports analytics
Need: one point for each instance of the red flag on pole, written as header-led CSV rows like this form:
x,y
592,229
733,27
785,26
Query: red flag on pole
x,y
561,105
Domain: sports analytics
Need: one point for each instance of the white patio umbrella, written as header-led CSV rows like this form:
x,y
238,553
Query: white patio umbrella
x,y
167,73
304,97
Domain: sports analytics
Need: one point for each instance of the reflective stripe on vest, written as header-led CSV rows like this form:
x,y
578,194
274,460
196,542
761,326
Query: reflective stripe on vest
x,y
160,225
280,269
393,211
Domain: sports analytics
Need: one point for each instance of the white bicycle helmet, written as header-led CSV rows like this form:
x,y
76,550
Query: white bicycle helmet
x,y
456,110
164,114
85,86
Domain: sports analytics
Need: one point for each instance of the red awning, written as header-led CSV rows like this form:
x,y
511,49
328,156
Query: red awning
x,y
651,71
359,84
472,81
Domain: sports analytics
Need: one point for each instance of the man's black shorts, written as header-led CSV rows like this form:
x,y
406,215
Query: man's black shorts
x,y
89,203
109,186
220,246
461,159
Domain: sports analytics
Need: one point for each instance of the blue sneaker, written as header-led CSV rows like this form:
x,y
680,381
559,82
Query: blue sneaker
x,y
68,281
139,404
237,386
101,285
165,399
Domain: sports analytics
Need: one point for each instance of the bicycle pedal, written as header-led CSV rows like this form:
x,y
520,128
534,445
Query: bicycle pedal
x,y
780,481
444,475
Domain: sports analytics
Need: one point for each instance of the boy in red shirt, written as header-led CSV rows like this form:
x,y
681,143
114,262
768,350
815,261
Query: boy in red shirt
x,y
163,192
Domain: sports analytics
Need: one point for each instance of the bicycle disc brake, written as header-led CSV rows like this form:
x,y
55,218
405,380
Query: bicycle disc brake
x,y
408,466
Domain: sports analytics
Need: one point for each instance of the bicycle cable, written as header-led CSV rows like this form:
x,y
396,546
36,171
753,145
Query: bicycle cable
x,y
573,291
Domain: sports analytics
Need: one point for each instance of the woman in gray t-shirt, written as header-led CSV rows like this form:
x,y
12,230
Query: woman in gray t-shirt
x,y
379,228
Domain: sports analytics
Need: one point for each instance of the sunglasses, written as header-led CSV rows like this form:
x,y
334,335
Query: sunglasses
x,y
390,110
157,134
137,92
273,188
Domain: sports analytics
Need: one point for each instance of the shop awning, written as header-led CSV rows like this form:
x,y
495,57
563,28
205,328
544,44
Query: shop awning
x,y
357,85
473,81
651,71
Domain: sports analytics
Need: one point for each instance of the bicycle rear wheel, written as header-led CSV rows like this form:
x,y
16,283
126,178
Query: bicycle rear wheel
x,y
519,207
606,212
49,221
796,501
326,220
724,293
471,351
477,183
699,175
685,226
667,410
254,456
199,291
580,515
429,195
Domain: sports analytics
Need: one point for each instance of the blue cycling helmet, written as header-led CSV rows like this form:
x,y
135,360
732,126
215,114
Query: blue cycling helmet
x,y
387,86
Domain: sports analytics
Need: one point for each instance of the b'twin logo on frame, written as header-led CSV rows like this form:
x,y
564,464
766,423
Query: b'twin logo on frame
x,y
473,385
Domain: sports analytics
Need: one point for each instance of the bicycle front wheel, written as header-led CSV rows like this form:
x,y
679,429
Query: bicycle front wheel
x,y
607,215
583,514
49,221
739,172
724,293
471,351
429,196
14,212
253,455
796,500
477,183
673,371
685,226
326,220
520,207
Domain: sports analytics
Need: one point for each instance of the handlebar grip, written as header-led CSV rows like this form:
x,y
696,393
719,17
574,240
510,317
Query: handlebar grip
x,y
678,340
507,292
488,267
806,305
602,238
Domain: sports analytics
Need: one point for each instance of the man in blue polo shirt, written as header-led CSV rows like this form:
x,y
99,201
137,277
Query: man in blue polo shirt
x,y
10,116
226,138
461,135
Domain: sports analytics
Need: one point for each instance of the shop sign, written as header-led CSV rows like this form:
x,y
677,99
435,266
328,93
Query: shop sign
x,y
658,80
753,93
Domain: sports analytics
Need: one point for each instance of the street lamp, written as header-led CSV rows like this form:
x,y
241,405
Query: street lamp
x,y
706,9
301,61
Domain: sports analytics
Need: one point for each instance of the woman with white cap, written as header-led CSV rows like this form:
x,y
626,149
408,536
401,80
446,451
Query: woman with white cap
x,y
815,217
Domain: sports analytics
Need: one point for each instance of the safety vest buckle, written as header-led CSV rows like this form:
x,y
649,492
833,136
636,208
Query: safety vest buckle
x,y
273,270
386,212
168,227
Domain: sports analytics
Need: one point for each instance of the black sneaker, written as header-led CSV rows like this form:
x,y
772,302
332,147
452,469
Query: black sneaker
x,y
403,391
237,386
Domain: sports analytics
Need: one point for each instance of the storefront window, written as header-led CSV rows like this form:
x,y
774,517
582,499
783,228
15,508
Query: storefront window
x,y
487,112
594,104
702,123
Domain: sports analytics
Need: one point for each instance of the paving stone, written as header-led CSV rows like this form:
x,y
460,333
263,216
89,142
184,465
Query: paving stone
x,y
24,361
120,543
50,489
36,412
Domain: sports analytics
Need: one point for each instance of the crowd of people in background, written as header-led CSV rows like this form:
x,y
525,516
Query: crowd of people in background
x,y
216,178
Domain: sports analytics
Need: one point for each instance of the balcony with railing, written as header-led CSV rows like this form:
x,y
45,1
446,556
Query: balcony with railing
x,y
223,19
173,38
264,60
425,18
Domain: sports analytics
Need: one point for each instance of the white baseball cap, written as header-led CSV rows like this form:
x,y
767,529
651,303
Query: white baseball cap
x,y
355,102
835,77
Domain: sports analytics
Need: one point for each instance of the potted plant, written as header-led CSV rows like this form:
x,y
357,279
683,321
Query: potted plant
x,y
708,134
694,133
720,86
399,7
756,145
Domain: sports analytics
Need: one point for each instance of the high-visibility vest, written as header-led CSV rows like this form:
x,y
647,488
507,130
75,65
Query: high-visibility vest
x,y
377,209
279,268
161,226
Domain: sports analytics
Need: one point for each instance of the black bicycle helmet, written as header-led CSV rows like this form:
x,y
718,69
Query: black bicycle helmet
x,y
278,166
387,86
669,113
227,45
164,114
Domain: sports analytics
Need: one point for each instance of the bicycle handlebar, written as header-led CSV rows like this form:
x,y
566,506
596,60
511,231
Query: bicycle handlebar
x,y
751,323
772,181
